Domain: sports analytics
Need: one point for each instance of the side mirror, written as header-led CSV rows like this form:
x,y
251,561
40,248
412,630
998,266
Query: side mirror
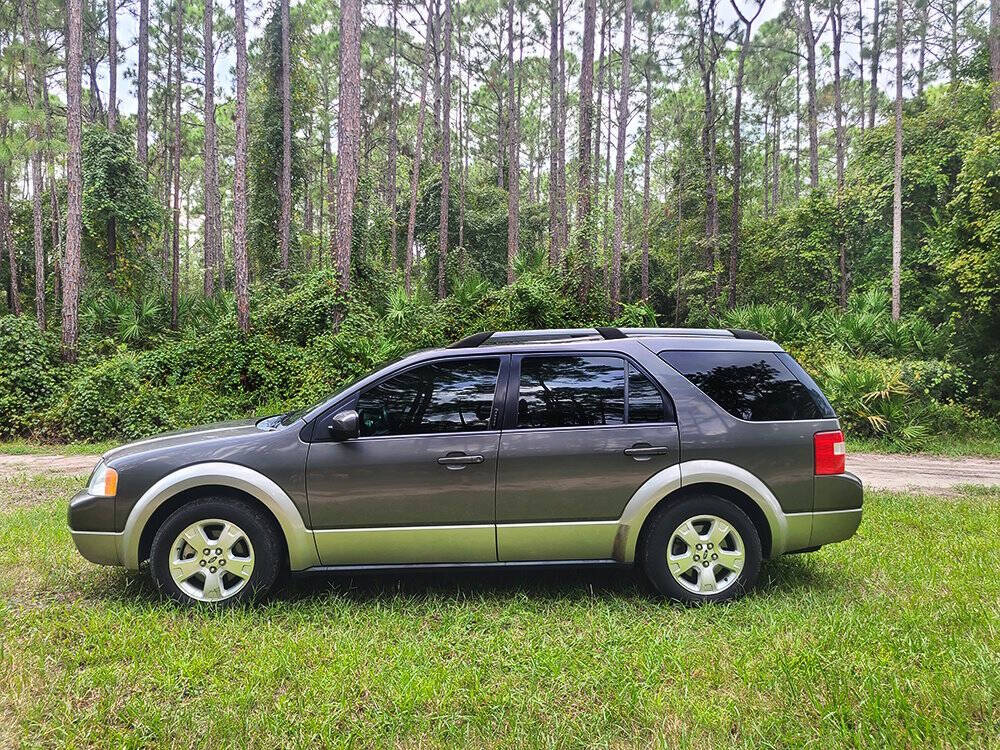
x,y
344,426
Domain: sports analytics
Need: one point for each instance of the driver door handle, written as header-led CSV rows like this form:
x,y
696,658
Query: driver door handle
x,y
459,461
643,451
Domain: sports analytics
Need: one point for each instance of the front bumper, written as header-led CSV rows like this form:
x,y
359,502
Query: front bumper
x,y
99,547
90,519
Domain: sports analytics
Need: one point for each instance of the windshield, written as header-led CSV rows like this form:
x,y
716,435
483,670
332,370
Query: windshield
x,y
294,416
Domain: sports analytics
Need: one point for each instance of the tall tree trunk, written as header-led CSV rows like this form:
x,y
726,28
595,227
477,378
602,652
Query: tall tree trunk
x,y
876,54
584,195
142,81
925,9
995,57
513,152
463,146
897,175
598,110
417,149
561,152
765,192
31,48
211,230
737,207
618,240
285,187
74,181
555,233
348,134
837,24
393,138
446,156
240,263
647,127
6,237
810,38
798,114
112,65
707,59
176,247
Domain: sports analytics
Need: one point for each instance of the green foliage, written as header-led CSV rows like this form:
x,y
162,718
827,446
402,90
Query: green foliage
x,y
30,374
117,205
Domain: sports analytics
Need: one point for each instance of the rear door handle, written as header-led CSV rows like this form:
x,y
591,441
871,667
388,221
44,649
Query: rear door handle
x,y
644,452
458,462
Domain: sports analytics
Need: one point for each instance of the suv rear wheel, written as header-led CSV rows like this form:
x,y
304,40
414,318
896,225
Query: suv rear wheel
x,y
216,551
701,549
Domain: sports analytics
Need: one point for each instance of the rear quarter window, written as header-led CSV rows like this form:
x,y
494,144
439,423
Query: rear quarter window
x,y
753,386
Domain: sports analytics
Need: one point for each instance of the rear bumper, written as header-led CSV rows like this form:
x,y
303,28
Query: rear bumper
x,y
836,517
101,547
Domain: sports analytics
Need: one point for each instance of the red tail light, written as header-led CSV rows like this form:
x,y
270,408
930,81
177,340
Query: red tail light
x,y
829,451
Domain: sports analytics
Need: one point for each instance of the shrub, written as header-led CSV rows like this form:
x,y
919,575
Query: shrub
x,y
30,374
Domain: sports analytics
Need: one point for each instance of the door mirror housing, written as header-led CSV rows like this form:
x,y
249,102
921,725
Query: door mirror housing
x,y
344,426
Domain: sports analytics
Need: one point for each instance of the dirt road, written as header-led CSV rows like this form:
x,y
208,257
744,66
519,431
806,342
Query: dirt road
x,y
917,473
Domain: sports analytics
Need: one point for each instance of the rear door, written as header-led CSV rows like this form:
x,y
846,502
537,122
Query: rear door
x,y
582,432
419,484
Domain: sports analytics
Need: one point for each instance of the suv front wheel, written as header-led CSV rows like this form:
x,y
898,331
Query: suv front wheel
x,y
215,551
701,549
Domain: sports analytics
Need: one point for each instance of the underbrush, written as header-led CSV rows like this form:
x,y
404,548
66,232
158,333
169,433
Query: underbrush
x,y
898,384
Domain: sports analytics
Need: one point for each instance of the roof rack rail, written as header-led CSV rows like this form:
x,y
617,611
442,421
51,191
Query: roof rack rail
x,y
742,333
604,332
471,342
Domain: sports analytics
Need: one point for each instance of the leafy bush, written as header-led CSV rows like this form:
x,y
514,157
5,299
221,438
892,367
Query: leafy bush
x,y
30,374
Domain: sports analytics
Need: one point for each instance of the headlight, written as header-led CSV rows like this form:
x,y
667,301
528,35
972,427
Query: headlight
x,y
103,482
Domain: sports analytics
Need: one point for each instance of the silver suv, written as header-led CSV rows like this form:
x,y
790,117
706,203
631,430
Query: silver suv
x,y
693,454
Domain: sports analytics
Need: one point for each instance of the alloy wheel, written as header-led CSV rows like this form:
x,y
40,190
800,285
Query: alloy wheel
x,y
705,554
211,560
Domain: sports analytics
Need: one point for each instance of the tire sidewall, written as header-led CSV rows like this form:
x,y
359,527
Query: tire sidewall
x,y
666,521
266,548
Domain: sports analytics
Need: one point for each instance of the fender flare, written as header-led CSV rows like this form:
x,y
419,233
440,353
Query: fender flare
x,y
300,542
687,474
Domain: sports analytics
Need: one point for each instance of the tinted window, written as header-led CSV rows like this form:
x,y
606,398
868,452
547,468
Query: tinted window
x,y
645,404
438,397
755,386
571,392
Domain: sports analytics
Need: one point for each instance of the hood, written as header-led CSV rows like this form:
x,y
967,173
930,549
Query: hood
x,y
189,436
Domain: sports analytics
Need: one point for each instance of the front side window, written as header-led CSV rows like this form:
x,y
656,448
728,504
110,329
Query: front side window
x,y
753,386
440,397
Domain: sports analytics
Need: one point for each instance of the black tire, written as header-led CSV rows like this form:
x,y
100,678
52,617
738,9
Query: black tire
x,y
667,519
257,527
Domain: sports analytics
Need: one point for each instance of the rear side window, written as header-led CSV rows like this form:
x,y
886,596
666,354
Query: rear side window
x,y
586,392
754,386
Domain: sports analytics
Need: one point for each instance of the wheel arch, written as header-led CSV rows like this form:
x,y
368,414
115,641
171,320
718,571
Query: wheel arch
x,y
719,478
182,498
220,478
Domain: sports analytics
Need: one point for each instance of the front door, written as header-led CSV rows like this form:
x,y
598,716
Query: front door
x,y
419,484
582,434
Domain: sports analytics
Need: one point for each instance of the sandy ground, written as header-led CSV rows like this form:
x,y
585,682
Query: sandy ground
x,y
45,464
930,474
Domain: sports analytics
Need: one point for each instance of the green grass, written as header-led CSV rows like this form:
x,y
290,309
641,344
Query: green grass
x,y
889,640
23,447
934,445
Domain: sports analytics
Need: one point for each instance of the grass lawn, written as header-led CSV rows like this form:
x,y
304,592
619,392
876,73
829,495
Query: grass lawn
x,y
935,445
891,639
22,447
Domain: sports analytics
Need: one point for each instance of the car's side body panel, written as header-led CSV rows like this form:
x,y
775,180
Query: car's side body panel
x,y
537,494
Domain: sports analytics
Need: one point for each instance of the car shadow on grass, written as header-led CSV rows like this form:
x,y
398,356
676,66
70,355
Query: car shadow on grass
x,y
785,577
